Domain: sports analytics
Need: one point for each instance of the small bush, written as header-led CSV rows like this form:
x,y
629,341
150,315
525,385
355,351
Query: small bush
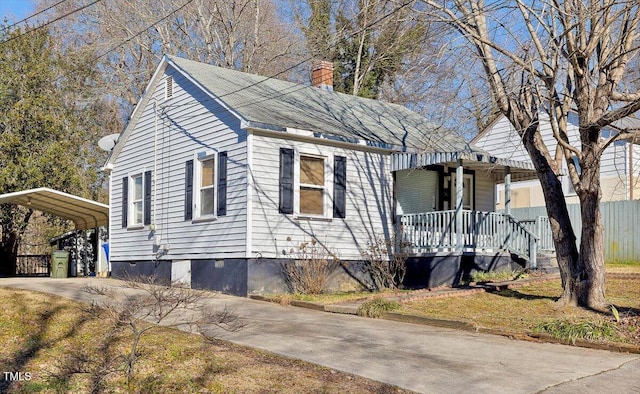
x,y
385,262
308,272
570,332
376,307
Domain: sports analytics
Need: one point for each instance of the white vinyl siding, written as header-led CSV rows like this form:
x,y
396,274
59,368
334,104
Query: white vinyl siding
x,y
368,202
502,140
189,123
416,191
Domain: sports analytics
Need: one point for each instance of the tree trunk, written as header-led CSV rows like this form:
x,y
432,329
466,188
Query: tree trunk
x,y
564,238
12,232
8,255
589,274
582,272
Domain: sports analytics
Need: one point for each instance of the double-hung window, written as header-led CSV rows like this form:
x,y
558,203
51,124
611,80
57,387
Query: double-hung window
x,y
306,187
312,185
136,199
206,186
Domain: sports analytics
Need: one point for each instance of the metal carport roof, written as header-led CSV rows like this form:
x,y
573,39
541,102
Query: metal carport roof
x,y
85,214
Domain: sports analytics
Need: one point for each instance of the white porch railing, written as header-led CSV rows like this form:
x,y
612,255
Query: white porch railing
x,y
541,227
488,231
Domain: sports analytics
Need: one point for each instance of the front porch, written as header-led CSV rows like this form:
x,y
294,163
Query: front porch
x,y
449,226
466,231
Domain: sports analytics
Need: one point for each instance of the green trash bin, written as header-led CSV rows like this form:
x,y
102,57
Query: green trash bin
x,y
60,264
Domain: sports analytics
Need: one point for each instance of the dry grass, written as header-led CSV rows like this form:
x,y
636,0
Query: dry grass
x,y
624,267
333,298
39,333
522,309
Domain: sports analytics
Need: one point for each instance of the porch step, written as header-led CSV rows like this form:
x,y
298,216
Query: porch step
x,y
547,260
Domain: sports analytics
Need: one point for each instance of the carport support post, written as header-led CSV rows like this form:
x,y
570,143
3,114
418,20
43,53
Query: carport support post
x,y
459,199
507,190
85,258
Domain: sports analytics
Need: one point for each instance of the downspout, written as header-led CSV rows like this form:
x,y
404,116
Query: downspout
x,y
158,242
155,164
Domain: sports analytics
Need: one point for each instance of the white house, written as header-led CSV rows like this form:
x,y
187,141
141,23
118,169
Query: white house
x,y
620,169
219,174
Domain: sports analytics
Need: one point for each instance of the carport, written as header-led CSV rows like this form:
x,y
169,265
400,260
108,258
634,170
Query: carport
x,y
85,214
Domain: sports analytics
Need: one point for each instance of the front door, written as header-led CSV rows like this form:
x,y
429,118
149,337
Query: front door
x,y
467,189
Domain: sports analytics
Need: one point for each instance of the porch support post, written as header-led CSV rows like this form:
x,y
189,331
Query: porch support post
x,y
459,199
507,190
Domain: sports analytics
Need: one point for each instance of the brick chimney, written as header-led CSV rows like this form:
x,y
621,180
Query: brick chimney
x,y
322,75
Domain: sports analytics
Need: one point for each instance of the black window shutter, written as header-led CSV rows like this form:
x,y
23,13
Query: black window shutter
x,y
188,190
222,183
286,180
339,187
147,198
125,200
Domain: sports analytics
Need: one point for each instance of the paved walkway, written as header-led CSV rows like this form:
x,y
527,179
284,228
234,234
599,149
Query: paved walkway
x,y
416,357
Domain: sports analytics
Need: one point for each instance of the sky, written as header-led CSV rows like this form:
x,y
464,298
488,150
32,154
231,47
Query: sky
x,y
15,10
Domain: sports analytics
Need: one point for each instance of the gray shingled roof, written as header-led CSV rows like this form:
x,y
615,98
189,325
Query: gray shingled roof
x,y
276,103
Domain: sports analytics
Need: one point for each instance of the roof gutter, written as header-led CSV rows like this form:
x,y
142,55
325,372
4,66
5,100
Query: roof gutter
x,y
322,138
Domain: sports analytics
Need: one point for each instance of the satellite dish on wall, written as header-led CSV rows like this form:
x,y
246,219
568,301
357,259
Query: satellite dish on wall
x,y
107,143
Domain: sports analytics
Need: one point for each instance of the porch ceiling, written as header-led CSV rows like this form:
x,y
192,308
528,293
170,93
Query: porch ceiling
x,y
478,161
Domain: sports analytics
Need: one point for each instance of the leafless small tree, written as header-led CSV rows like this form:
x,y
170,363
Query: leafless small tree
x,y
139,306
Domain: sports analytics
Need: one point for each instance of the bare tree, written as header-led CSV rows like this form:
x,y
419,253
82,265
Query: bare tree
x,y
544,59
141,305
127,38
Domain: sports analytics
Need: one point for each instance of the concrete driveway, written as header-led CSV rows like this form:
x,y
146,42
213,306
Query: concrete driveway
x,y
416,357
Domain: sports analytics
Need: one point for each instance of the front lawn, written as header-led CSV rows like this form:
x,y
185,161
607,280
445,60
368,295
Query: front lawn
x,y
532,308
56,342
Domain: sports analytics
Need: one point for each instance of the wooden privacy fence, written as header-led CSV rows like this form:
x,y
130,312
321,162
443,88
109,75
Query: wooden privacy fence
x,y
621,227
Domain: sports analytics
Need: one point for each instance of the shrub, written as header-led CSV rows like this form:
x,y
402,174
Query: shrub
x,y
385,262
309,270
